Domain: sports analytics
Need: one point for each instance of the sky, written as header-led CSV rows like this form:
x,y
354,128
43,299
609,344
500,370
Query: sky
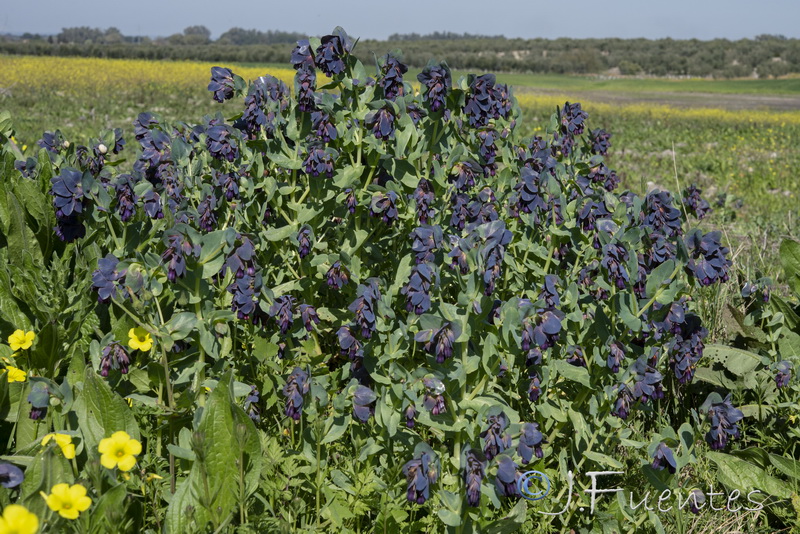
x,y
678,19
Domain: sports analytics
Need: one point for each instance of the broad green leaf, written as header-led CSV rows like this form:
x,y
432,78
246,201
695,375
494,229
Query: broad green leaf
x,y
787,466
790,259
737,361
101,412
742,475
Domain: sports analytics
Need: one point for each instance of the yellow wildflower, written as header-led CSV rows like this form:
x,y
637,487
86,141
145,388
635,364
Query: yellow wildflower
x,y
139,339
68,501
64,441
21,340
120,450
15,375
17,519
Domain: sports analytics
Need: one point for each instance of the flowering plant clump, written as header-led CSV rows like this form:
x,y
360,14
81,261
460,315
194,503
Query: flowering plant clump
x,y
354,299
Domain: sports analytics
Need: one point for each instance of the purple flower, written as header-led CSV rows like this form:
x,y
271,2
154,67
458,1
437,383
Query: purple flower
x,y
575,356
686,348
11,476
228,182
114,356
281,311
433,400
417,289
784,374
694,203
507,477
464,175
426,239
381,122
350,200
323,127
67,192
391,79
106,277
329,54
245,291
39,399
221,84
363,403
495,438
251,405
708,260
661,215
26,167
304,241
437,82
348,344
474,473
697,500
318,161
419,474
308,314
69,228
410,414
622,405
302,54
663,457
126,198
616,355
549,292
337,275
364,306
438,341
297,386
241,259
488,151
424,197
723,418
615,259
52,141
222,143
174,256
530,442
481,103
600,141
384,205
493,252
305,82
206,218
647,381
534,387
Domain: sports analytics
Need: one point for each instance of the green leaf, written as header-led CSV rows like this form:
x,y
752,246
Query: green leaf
x,y
48,468
787,466
101,412
449,517
790,259
659,276
571,372
335,427
737,361
742,475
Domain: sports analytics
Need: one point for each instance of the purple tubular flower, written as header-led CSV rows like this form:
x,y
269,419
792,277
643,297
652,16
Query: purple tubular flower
x,y
323,127
647,381
426,239
221,84
281,311
364,306
222,142
266,99
437,82
206,218
507,478
464,175
784,374
615,258
530,192
309,316
245,291
661,215
438,341
391,79
600,140
417,290
39,399
241,260
70,228
329,54
114,356
305,82
304,241
495,438
474,473
481,103
663,457
723,423
52,141
488,151
694,203
119,141
530,442
616,355
26,167
11,476
433,400
686,348
535,387
492,254
415,112
302,54
337,275
382,122
67,192
251,405
419,476
363,403
126,198
622,406
318,161
424,197
105,278
228,182
384,205
297,386
411,415
708,260
503,104
174,256
575,356
348,344
549,292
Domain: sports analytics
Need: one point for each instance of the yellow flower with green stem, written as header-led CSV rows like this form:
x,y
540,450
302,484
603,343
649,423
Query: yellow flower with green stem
x,y
68,501
139,339
15,375
16,519
120,450
21,340
64,441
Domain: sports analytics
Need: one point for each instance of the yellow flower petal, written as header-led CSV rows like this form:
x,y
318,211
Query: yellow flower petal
x,y
108,461
126,463
17,519
16,375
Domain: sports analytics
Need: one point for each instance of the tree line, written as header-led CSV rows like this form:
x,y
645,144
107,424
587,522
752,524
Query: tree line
x,y
762,56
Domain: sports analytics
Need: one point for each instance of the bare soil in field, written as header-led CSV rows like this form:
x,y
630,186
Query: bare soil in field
x,y
682,99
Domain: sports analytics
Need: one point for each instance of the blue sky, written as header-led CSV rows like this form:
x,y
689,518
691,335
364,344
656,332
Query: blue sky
x,y
678,19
